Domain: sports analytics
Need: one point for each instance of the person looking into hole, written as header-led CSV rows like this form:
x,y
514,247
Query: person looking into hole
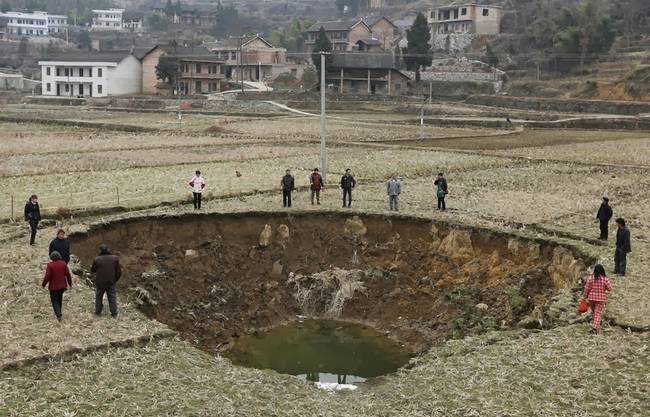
x,y
198,184
347,184
287,185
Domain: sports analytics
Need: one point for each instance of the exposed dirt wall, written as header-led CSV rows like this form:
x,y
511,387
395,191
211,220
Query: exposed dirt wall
x,y
215,277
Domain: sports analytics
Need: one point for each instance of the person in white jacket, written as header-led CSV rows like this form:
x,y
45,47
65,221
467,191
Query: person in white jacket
x,y
198,184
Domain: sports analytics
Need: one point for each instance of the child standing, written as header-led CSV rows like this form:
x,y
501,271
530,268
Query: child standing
x,y
596,289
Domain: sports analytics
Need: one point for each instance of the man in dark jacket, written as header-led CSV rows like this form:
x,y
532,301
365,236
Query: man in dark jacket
x,y
32,216
107,272
441,191
347,184
62,245
623,247
603,216
316,184
287,184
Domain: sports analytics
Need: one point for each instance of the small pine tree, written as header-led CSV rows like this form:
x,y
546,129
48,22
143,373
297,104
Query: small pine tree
x,y
322,44
418,52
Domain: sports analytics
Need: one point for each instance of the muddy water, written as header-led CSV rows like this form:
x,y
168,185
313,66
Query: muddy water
x,y
321,351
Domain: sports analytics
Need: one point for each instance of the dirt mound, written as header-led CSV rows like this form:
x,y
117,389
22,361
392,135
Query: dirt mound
x,y
215,277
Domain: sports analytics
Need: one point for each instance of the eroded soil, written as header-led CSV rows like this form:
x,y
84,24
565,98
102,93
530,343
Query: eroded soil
x,y
216,277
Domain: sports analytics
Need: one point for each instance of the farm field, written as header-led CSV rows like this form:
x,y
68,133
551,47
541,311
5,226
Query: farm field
x,y
534,184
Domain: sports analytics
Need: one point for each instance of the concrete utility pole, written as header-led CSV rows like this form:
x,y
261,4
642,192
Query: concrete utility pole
x,y
323,126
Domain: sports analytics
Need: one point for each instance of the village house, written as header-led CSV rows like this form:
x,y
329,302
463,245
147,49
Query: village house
x,y
366,74
343,35
111,19
199,70
195,16
34,24
133,21
259,59
92,74
383,30
465,18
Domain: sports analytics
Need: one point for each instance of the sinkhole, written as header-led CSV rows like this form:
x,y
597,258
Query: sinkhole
x,y
330,296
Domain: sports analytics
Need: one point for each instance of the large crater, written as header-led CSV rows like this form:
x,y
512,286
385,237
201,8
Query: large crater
x,y
215,277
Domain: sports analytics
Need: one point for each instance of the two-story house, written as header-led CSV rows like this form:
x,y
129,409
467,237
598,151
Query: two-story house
x,y
252,58
466,18
110,19
91,74
343,35
34,24
383,30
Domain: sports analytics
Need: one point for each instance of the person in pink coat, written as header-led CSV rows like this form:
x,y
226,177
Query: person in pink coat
x,y
596,289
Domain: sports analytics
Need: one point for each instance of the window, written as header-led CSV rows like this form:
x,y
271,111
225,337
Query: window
x,y
463,11
90,72
48,87
99,73
47,71
486,12
67,88
433,15
233,55
197,87
66,72
99,88
58,72
198,68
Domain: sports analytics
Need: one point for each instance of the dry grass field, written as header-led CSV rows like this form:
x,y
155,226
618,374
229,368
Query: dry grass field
x,y
541,184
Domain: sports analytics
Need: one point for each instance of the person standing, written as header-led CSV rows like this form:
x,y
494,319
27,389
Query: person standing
x,y
58,279
61,244
596,289
347,184
316,185
603,216
287,184
393,189
198,184
623,247
441,191
108,271
32,216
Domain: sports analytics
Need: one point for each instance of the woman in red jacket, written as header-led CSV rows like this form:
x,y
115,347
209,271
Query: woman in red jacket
x,y
596,289
58,279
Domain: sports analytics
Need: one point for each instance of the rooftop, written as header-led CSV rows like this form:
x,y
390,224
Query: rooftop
x,y
334,25
85,56
456,5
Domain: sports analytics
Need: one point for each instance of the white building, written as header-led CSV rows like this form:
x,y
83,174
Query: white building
x,y
133,21
110,19
57,23
92,74
34,24
465,18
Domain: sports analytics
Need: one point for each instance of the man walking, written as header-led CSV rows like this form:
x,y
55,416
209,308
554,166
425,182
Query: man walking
x,y
107,271
316,184
603,216
32,216
198,184
623,247
287,184
347,184
393,189
441,191
62,245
